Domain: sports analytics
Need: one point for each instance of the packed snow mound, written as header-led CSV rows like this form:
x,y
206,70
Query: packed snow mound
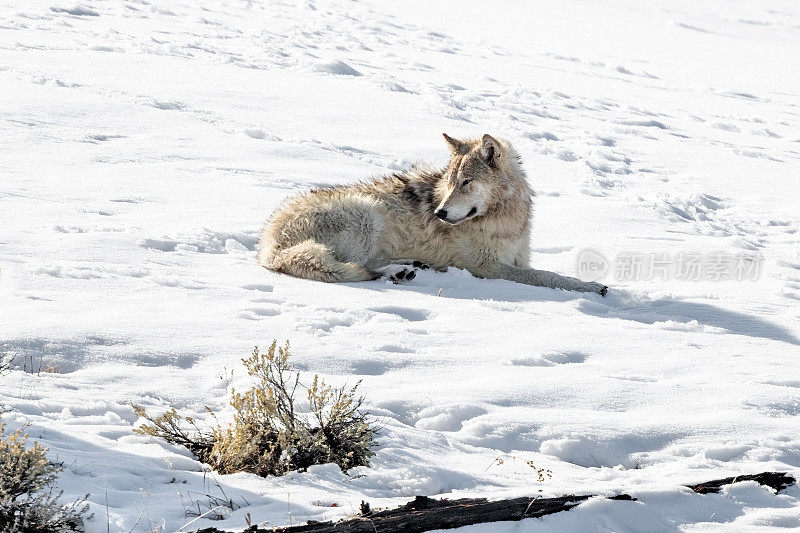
x,y
337,67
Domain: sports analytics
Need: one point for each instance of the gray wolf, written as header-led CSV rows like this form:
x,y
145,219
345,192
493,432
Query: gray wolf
x,y
474,214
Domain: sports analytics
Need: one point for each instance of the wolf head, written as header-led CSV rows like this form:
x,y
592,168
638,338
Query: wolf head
x,y
481,173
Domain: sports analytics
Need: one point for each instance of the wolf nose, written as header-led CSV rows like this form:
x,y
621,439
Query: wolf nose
x,y
441,213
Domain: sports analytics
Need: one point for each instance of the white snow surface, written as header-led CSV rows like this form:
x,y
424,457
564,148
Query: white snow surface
x,y
144,143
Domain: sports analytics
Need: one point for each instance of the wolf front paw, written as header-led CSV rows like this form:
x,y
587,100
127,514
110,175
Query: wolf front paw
x,y
599,288
406,274
399,273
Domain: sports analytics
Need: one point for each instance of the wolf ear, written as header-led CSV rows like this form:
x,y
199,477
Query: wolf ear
x,y
456,146
491,149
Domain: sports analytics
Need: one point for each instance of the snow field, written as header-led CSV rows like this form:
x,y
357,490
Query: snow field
x,y
144,144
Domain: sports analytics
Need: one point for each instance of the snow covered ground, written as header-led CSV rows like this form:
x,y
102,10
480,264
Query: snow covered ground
x,y
143,143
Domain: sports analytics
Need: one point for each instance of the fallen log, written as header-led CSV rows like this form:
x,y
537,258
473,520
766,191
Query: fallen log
x,y
775,480
426,514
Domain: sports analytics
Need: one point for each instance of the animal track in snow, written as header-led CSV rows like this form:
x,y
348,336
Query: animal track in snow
x,y
70,229
405,313
167,106
590,451
323,319
402,410
794,383
546,135
261,287
126,200
166,280
256,133
160,244
756,153
789,407
209,242
726,453
447,418
394,348
276,301
644,123
103,137
631,377
76,11
260,312
725,126
550,359
368,367
567,155
701,209
77,272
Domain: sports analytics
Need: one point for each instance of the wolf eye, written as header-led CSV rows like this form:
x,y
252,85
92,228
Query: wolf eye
x,y
465,183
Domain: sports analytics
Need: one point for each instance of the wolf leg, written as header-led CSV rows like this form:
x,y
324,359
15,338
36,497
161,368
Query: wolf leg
x,y
543,278
315,261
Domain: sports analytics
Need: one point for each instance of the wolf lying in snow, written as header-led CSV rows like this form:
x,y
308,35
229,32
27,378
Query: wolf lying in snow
x,y
475,214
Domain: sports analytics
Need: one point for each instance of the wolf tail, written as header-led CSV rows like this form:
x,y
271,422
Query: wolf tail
x,y
314,261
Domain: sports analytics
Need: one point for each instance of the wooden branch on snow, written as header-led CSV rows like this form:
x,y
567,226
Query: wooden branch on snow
x,y
426,514
776,480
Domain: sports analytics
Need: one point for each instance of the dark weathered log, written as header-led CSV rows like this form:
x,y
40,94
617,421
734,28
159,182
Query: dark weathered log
x,y
426,514
776,480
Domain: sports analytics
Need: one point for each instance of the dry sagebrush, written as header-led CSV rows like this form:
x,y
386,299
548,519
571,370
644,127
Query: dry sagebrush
x,y
28,501
268,436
